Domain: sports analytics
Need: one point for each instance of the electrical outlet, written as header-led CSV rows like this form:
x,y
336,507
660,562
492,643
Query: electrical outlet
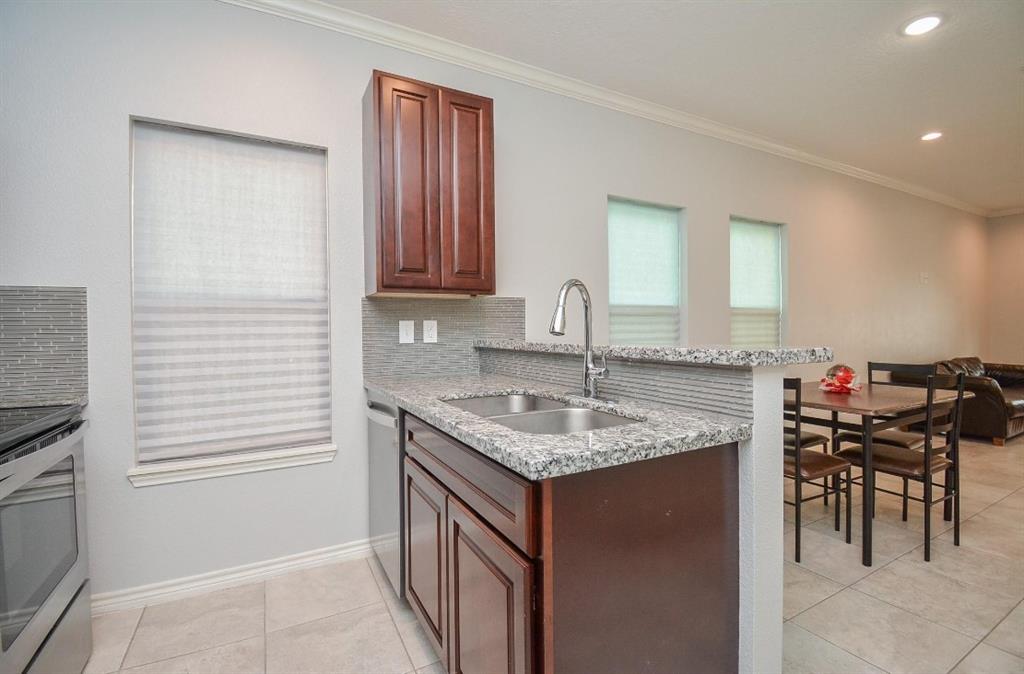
x,y
925,278
430,332
406,334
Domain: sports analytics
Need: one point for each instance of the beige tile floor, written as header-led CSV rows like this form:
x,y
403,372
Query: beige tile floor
x,y
337,618
962,612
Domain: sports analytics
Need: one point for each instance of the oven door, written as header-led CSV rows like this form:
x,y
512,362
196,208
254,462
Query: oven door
x,y
43,558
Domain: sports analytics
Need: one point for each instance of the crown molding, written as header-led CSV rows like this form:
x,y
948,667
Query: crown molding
x,y
369,28
1006,212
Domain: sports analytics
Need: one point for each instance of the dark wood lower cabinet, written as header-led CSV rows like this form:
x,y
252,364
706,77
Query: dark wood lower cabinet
x,y
490,597
426,553
633,568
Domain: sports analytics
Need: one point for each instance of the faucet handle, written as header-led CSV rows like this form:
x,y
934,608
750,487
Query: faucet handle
x,y
601,372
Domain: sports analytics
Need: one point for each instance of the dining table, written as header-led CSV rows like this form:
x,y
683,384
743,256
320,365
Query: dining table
x,y
880,406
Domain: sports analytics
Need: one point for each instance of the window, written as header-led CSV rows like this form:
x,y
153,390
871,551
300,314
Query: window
x,y
755,283
231,327
644,273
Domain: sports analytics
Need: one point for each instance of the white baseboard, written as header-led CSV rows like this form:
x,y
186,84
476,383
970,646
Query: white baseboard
x,y
169,590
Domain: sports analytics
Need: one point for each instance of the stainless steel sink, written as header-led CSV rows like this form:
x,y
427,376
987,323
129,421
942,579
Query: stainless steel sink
x,y
491,406
558,422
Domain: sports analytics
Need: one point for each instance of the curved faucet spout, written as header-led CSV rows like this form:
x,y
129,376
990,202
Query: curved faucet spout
x,y
590,373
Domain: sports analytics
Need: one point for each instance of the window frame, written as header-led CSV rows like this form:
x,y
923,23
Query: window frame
x,y
684,264
783,230
145,474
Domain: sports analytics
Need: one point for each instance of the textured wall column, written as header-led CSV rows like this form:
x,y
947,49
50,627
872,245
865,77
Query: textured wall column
x,y
761,527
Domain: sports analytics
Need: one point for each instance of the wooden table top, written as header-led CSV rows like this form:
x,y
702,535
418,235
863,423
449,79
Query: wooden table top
x,y
871,400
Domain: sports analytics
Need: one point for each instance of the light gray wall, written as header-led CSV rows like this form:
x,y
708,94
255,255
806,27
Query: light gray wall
x,y
1005,343
74,72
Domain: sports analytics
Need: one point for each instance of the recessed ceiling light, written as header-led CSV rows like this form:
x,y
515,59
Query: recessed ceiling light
x,y
932,135
922,25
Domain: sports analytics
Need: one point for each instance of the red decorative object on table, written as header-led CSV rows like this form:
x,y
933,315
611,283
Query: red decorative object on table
x,y
840,379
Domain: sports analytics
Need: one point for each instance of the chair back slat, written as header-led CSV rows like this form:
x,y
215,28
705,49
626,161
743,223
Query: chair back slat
x,y
793,384
916,373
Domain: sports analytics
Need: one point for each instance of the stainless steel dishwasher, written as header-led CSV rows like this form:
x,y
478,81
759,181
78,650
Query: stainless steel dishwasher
x,y
386,497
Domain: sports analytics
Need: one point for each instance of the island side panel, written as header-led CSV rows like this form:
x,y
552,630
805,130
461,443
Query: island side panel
x,y
761,529
639,567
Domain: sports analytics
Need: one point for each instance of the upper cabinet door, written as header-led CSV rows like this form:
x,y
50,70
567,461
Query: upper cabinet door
x,y
467,192
409,237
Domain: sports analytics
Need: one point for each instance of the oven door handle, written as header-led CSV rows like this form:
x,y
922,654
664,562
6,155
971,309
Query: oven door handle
x,y
16,473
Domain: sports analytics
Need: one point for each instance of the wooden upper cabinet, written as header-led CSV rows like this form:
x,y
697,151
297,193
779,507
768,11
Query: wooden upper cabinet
x,y
429,179
467,192
410,252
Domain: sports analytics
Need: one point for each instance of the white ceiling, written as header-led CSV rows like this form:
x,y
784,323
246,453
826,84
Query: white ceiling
x,y
834,79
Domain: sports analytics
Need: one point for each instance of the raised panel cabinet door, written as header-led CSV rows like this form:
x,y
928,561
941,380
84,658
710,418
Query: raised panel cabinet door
x,y
467,192
409,239
426,553
490,599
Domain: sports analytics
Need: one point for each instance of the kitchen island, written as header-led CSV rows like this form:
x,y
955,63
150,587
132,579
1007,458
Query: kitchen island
x,y
653,544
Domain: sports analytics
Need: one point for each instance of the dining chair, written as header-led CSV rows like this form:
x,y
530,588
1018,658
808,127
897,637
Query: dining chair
x,y
804,465
899,374
808,440
920,466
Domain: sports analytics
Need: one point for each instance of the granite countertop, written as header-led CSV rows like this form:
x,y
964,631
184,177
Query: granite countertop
x,y
695,355
660,431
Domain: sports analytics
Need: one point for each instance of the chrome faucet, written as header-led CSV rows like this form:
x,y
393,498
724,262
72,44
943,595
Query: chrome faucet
x,y
591,373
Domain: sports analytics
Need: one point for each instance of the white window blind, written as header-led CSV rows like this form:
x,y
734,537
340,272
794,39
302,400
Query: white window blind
x,y
644,273
755,286
230,329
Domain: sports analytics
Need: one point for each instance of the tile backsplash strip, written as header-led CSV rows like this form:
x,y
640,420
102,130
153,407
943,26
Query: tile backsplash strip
x,y
459,322
726,390
43,346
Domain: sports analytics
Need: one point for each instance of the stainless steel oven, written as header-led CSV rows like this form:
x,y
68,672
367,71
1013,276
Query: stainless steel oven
x,y
44,565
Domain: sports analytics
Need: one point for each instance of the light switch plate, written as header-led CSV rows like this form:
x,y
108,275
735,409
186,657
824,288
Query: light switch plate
x,y
430,332
406,334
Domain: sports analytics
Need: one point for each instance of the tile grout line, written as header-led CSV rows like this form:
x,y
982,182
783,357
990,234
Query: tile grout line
x,y
325,617
184,655
199,650
845,587
928,620
988,634
131,640
391,615
831,643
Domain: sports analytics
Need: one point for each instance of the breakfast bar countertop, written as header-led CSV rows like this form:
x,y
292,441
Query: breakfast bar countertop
x,y
660,430
689,355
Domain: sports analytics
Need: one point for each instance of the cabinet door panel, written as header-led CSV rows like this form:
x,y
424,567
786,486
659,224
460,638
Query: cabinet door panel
x,y
426,553
467,192
489,597
409,235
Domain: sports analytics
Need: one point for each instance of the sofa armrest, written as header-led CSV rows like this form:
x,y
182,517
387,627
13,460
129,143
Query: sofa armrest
x,y
985,413
1005,374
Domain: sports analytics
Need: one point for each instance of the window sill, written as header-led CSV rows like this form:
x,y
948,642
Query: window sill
x,y
232,464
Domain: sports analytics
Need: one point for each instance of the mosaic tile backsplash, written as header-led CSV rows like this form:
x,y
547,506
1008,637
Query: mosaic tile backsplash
x,y
724,390
459,322
43,346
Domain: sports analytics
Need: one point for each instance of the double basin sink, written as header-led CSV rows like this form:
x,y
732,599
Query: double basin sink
x,y
532,414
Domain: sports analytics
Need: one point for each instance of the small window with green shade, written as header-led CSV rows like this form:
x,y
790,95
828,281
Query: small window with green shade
x,y
755,283
645,271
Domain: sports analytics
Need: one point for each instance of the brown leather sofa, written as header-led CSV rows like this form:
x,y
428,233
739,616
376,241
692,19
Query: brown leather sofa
x,y
997,409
